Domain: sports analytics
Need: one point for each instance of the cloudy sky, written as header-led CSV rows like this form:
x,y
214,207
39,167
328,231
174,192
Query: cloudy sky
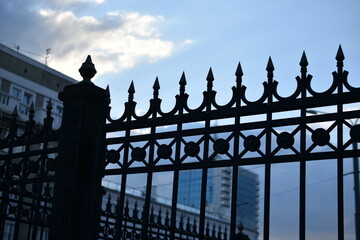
x,y
140,40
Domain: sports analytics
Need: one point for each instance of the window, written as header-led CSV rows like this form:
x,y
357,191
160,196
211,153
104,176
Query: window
x,y
16,92
27,98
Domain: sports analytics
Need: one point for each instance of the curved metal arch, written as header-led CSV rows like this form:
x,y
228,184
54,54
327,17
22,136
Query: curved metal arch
x,y
331,89
200,108
347,84
260,100
234,97
296,93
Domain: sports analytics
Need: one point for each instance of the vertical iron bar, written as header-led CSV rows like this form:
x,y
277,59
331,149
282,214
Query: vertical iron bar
x,y
120,229
356,192
235,167
340,160
146,209
204,181
303,125
270,69
176,178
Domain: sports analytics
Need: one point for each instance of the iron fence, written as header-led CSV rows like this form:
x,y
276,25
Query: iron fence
x,y
51,180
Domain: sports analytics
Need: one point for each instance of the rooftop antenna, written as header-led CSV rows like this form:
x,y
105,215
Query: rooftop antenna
x,y
17,47
48,51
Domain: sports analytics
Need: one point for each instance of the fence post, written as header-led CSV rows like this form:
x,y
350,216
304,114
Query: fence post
x,y
77,190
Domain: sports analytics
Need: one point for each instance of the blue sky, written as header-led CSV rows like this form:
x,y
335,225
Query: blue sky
x,y
140,40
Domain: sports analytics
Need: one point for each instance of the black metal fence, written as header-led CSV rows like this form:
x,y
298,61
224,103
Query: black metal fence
x,y
93,145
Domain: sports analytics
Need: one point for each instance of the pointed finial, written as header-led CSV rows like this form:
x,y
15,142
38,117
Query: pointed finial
x,y
239,73
32,108
303,61
182,81
131,88
210,76
156,85
131,92
49,105
31,111
87,70
107,90
340,55
210,79
270,65
15,112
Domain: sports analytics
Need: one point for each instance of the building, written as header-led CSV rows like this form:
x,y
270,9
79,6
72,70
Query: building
x,y
24,81
187,218
218,195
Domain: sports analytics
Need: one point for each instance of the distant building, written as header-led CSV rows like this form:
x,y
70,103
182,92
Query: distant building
x,y
186,216
218,195
24,81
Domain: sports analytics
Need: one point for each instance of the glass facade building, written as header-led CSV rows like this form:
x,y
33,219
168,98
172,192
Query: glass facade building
x,y
218,195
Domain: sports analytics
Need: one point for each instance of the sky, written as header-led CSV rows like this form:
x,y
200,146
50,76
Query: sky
x,y
134,40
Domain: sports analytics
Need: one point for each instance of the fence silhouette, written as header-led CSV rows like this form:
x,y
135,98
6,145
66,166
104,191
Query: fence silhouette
x,y
50,180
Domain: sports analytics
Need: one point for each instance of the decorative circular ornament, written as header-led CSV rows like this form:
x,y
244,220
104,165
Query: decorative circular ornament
x,y
51,164
138,154
15,169
221,146
33,166
285,140
252,143
192,149
355,133
25,212
164,151
320,137
113,156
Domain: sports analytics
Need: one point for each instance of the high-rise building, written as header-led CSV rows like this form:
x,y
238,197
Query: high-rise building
x,y
218,195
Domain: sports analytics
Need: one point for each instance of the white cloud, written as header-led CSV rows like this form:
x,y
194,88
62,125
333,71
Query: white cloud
x,y
116,42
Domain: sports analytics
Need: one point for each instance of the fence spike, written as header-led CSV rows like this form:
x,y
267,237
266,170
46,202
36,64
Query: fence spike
x,y
156,85
131,88
87,69
239,72
15,112
182,81
156,88
219,232
210,79
213,234
49,105
167,220
340,54
303,61
270,65
188,224
107,91
210,76
131,92
159,216
194,226
31,111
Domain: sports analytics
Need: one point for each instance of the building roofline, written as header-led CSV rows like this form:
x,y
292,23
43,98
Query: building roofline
x,y
35,63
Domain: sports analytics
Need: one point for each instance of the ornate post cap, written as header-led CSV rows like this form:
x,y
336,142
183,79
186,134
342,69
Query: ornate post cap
x,y
87,69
